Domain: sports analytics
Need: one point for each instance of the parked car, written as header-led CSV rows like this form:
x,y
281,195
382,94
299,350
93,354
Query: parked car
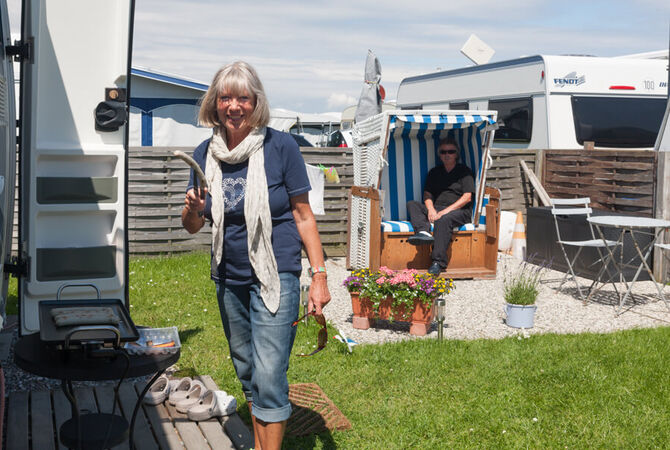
x,y
340,138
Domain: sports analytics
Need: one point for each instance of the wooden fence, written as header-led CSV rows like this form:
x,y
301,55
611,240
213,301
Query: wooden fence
x,y
506,174
616,180
157,182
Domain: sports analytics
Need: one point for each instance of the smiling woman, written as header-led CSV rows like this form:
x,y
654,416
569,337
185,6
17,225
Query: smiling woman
x,y
258,184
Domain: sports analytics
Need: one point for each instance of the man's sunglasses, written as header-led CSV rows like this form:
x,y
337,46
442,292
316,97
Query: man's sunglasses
x,y
322,339
451,152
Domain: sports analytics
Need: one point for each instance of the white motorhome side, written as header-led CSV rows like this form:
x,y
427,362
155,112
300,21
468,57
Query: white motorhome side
x,y
554,101
75,66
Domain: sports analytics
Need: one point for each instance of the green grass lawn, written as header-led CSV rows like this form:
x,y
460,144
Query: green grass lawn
x,y
549,391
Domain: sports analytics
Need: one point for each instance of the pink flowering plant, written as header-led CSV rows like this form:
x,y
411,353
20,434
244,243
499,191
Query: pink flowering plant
x,y
403,286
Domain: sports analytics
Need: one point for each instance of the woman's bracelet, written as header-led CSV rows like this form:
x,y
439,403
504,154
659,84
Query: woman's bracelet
x,y
316,270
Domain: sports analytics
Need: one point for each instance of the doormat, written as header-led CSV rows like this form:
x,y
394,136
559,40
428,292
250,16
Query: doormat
x,y
313,412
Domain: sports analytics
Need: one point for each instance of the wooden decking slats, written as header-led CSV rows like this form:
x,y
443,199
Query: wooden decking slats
x,y
142,431
189,431
34,420
159,419
17,427
105,396
43,431
62,412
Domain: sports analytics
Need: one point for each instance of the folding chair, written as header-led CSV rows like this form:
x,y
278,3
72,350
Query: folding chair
x,y
666,252
578,207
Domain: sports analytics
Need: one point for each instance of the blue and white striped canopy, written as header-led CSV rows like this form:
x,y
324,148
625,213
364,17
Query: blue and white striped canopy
x,y
412,151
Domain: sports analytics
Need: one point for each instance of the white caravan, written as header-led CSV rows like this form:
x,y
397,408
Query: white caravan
x,y
557,102
75,63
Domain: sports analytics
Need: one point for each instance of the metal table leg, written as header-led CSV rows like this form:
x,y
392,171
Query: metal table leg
x,y
609,259
644,264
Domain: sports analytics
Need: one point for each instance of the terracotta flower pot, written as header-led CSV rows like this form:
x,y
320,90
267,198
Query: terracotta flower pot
x,y
420,317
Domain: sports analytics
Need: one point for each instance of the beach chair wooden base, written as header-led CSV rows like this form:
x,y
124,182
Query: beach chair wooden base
x,y
472,254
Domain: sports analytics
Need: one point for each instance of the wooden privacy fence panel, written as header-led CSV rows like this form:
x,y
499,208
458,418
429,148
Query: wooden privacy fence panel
x,y
157,183
616,180
156,187
333,225
506,174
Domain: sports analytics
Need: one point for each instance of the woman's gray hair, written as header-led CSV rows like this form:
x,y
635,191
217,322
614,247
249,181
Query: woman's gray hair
x,y
236,77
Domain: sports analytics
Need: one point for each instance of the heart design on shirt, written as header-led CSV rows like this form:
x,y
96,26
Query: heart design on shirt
x,y
233,192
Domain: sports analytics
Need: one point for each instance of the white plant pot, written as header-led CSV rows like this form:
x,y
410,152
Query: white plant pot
x,y
520,316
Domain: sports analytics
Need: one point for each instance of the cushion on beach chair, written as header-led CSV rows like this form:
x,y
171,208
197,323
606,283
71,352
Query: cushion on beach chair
x,y
412,151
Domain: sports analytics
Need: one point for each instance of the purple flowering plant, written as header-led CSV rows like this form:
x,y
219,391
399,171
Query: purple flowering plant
x,y
403,286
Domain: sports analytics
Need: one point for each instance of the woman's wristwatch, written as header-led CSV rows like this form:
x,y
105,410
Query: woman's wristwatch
x,y
314,270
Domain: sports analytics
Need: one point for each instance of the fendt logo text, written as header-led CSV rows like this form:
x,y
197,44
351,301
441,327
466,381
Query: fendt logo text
x,y
570,79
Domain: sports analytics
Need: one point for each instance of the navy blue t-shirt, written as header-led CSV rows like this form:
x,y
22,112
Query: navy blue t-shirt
x,y
286,177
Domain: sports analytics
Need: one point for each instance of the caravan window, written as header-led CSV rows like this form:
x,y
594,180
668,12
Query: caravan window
x,y
515,117
618,122
458,105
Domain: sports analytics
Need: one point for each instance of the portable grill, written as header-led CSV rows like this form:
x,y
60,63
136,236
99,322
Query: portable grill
x,y
89,333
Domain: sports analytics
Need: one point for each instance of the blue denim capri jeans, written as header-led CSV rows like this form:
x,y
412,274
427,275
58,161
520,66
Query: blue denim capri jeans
x,y
260,342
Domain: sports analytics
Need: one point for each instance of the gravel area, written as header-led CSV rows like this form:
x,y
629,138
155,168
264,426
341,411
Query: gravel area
x,y
474,311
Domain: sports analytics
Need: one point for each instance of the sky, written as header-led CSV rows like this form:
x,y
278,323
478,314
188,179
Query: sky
x,y
311,55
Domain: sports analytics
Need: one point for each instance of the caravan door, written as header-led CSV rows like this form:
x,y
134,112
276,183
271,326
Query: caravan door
x,y
73,151
7,155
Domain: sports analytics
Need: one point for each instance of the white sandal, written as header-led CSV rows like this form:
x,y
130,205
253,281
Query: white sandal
x,y
179,389
158,391
212,404
192,397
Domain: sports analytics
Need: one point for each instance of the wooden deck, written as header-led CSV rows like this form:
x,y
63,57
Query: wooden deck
x,y
34,420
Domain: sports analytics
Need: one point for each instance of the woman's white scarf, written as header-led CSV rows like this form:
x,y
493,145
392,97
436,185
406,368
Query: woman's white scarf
x,y
256,207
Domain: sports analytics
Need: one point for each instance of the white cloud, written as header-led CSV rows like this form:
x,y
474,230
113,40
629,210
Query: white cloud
x,y
340,101
311,55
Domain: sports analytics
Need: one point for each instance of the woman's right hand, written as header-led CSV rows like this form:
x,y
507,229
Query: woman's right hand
x,y
195,203
191,218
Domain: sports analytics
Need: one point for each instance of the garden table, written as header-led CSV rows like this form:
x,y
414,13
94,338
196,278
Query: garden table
x,y
635,227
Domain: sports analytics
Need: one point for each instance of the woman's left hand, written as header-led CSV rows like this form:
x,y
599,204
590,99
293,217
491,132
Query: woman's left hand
x,y
306,224
319,296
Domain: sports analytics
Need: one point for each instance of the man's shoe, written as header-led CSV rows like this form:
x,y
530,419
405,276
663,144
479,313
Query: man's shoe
x,y
435,269
421,238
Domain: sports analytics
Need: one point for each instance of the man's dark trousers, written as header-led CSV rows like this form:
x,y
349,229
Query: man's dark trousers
x,y
418,216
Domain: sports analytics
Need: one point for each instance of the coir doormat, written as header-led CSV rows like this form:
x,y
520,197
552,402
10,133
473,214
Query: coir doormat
x,y
313,412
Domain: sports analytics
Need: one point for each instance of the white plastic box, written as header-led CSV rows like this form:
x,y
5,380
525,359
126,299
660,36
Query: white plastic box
x,y
151,339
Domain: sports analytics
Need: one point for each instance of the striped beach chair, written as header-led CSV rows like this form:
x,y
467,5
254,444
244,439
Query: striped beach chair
x,y
393,153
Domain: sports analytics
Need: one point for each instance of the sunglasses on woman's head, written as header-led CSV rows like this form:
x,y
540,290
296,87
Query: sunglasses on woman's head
x,y
322,338
451,152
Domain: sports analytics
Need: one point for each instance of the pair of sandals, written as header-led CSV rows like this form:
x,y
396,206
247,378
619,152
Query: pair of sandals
x,y
191,397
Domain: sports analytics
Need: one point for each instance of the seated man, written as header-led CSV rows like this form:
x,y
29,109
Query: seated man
x,y
447,203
